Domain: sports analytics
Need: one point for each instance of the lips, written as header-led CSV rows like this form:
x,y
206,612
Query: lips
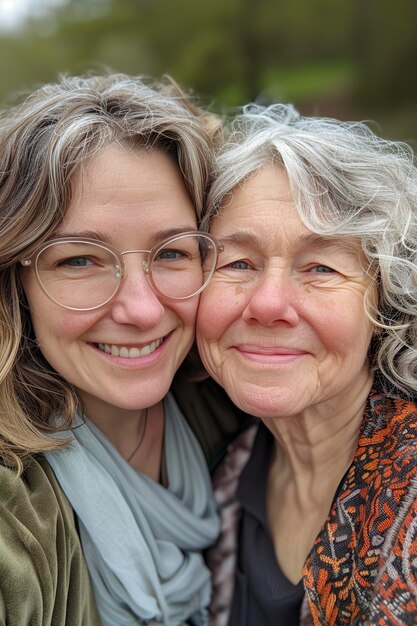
x,y
270,355
269,350
129,352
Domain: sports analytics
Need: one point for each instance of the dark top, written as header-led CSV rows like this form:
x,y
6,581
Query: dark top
x,y
212,416
262,595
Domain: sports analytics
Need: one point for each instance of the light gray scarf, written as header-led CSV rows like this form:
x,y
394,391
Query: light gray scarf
x,y
142,542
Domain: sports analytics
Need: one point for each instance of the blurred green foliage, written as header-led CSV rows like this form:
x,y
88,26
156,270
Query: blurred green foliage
x,y
347,58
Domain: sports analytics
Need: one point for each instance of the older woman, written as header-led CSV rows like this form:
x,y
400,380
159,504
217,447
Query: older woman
x,y
101,182
310,323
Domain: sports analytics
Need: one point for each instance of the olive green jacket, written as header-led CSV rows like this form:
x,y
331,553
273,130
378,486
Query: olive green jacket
x,y
43,576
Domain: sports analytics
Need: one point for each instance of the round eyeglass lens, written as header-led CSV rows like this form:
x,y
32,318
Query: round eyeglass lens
x,y
182,267
78,275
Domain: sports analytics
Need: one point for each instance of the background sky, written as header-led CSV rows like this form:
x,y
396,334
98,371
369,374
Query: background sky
x,y
13,12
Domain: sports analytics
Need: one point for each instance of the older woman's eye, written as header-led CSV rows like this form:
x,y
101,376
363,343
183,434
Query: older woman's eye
x,y
322,269
239,265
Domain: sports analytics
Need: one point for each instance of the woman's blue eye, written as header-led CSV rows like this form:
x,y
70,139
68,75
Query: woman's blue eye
x,y
322,269
79,261
170,254
239,265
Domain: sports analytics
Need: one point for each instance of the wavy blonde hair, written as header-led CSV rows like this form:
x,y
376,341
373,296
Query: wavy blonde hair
x,y
345,181
43,143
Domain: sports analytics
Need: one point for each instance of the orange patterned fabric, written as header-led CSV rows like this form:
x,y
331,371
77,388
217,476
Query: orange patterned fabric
x,y
362,569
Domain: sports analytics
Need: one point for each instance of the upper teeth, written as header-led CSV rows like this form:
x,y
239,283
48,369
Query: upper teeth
x,y
130,353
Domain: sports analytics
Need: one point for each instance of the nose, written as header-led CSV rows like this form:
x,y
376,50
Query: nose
x,y
273,301
136,303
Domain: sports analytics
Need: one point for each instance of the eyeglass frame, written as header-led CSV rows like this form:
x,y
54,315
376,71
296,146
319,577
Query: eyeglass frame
x,y
31,262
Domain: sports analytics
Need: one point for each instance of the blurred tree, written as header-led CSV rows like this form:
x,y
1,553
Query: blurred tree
x,y
225,49
385,50
230,50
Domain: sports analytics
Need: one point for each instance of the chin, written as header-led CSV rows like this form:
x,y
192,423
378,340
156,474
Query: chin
x,y
262,402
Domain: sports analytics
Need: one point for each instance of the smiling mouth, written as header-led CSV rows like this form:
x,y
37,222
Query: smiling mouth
x,y
129,353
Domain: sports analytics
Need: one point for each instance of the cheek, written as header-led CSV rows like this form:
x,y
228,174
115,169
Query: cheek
x,y
209,332
186,311
204,318
346,331
215,316
53,324
48,320
217,311
210,355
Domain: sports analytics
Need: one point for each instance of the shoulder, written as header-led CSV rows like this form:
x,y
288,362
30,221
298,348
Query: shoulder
x,y
394,596
389,413
366,550
41,561
384,472
389,464
33,504
390,430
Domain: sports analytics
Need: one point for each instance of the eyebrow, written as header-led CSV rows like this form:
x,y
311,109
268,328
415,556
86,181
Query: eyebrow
x,y
171,232
155,236
242,239
313,240
87,234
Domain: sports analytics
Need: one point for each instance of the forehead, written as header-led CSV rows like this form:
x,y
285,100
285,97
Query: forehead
x,y
121,170
261,211
121,187
269,184
262,202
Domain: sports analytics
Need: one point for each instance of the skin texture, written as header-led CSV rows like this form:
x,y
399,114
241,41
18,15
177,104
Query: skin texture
x,y
282,327
282,323
132,200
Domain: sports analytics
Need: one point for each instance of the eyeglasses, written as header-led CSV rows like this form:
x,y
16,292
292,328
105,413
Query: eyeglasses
x,y
84,274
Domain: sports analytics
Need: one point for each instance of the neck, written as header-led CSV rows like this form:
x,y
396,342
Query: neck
x,y
314,448
126,429
122,427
